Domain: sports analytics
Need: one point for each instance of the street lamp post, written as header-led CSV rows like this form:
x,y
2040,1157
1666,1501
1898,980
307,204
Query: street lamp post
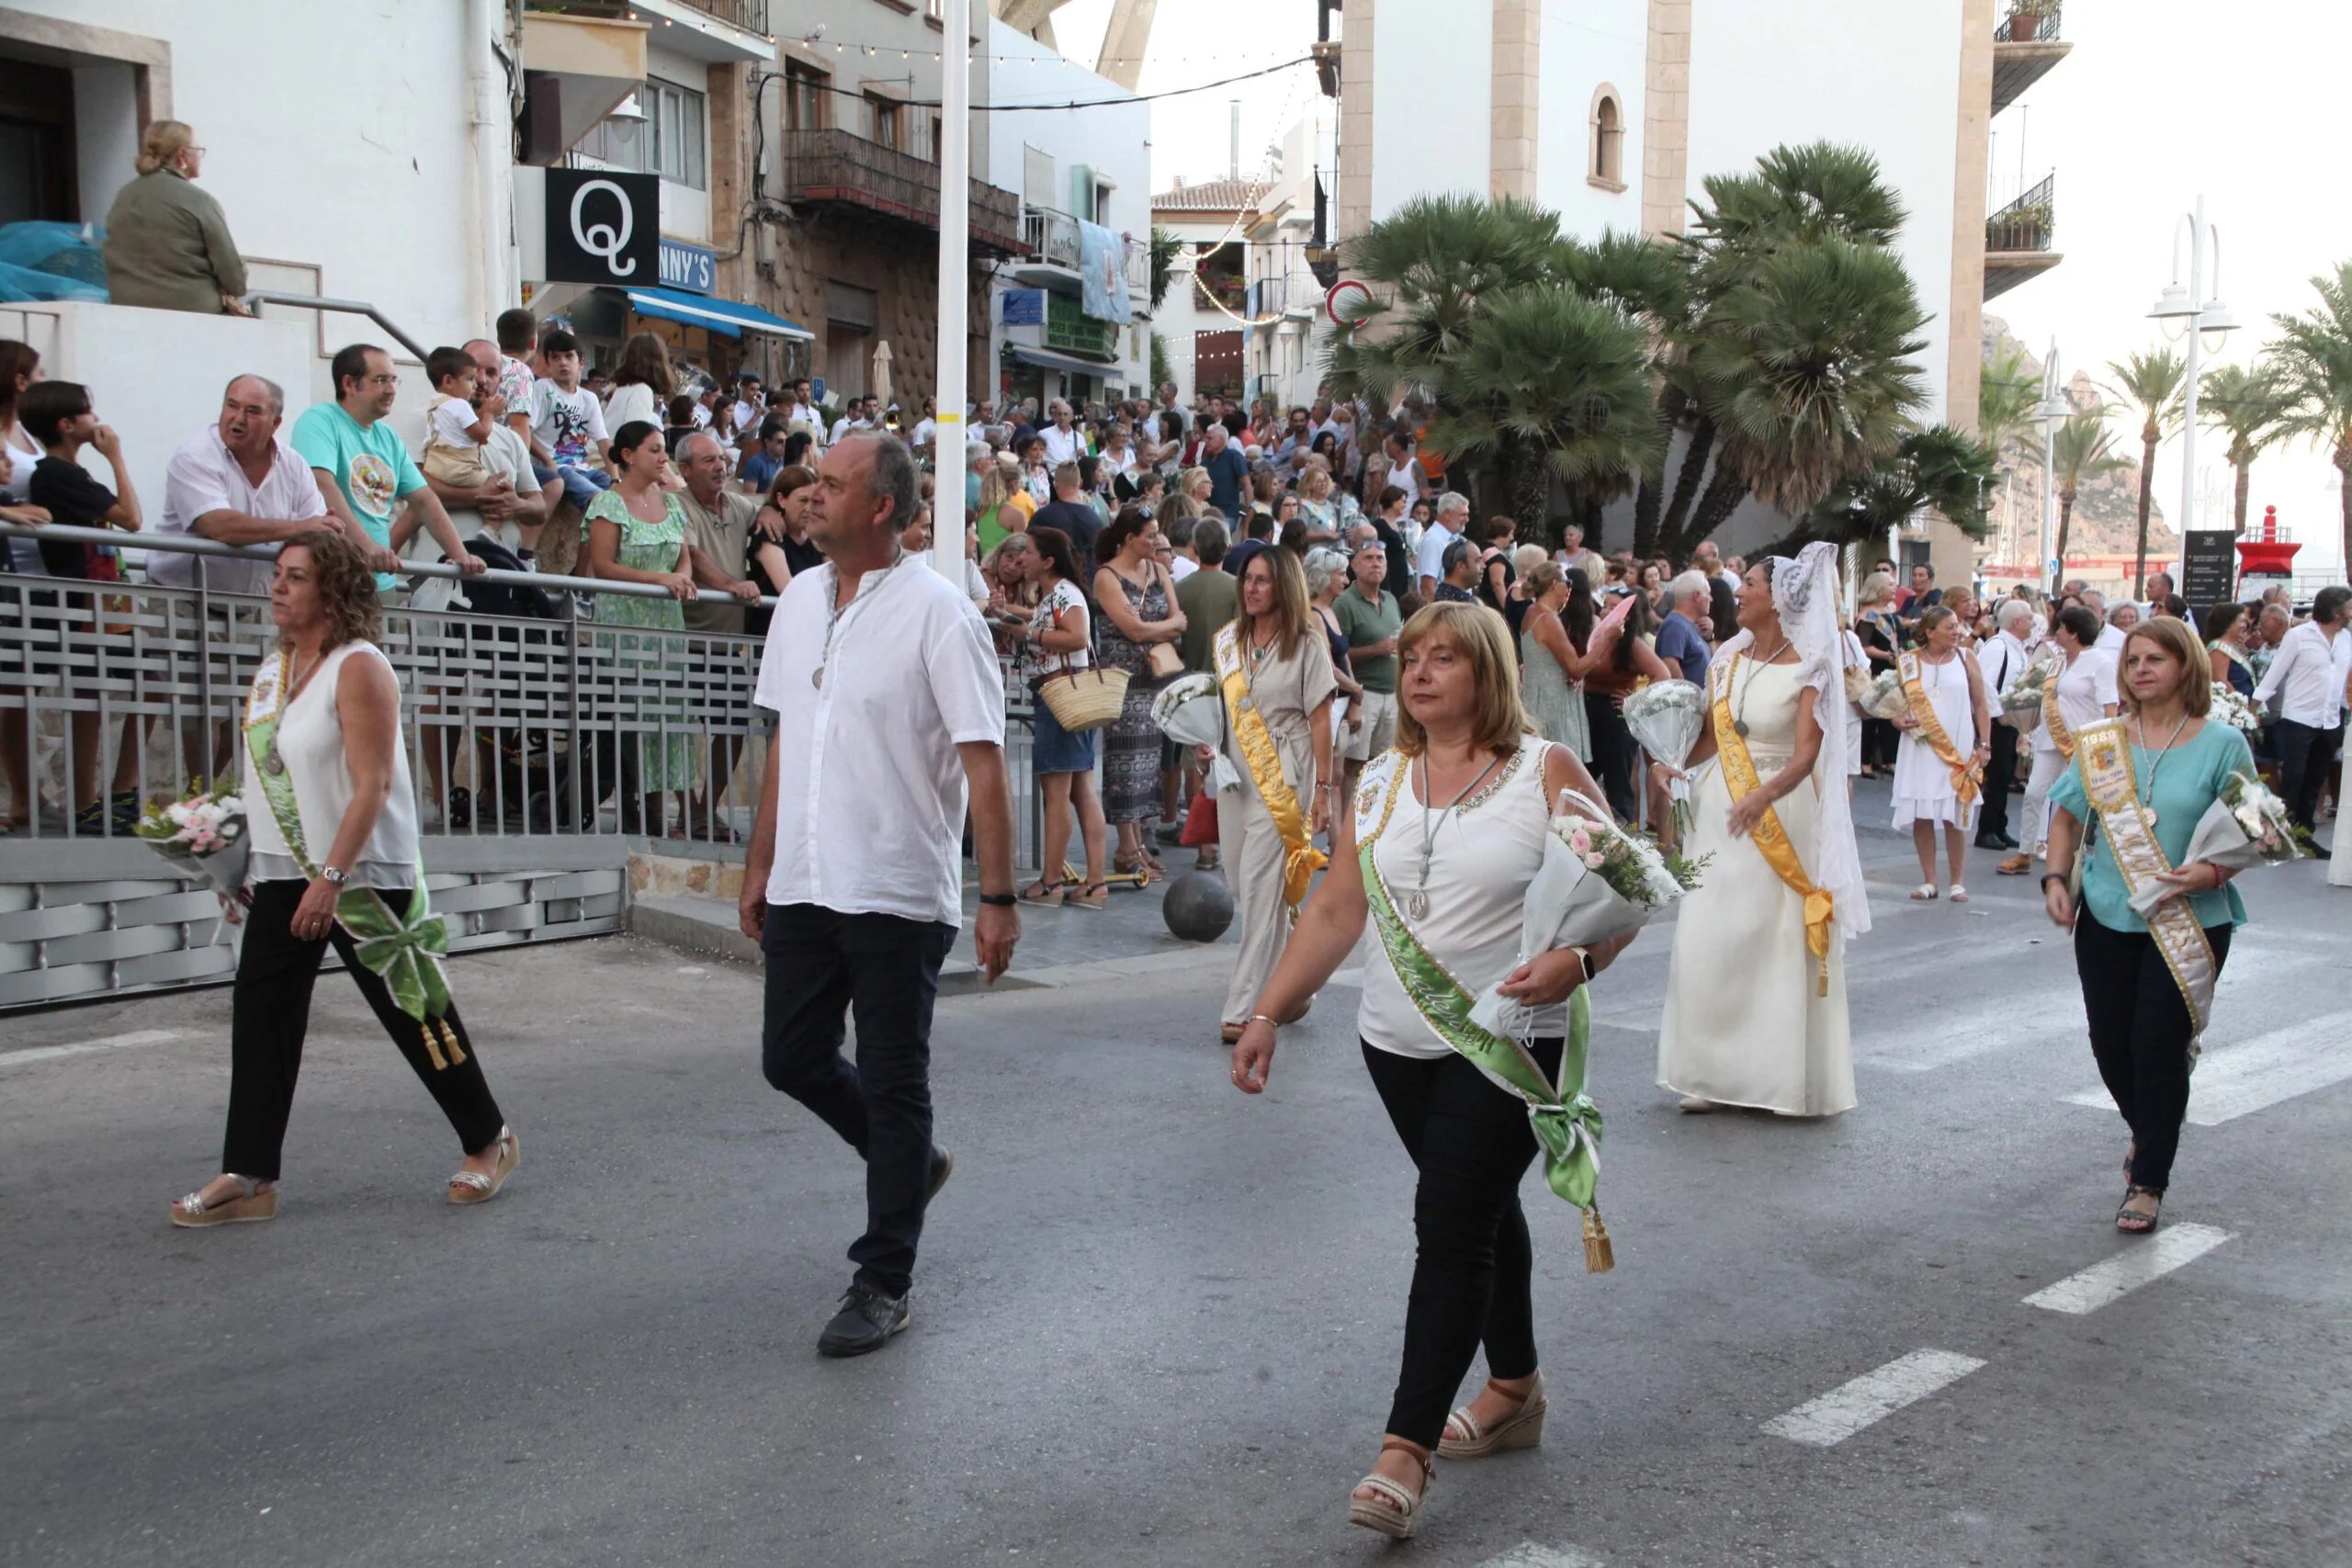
x,y
2052,412
2207,323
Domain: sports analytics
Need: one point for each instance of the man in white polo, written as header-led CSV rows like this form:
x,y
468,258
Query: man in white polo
x,y
889,711
1428,563
236,483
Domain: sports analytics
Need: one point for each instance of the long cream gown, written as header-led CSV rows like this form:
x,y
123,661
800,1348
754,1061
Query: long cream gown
x,y
1743,1025
1287,691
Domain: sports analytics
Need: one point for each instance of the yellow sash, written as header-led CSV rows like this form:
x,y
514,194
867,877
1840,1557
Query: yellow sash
x,y
2111,778
1258,749
2050,717
1964,773
1772,839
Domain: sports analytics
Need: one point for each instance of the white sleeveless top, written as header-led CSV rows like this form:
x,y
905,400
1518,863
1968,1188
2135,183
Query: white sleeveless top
x,y
310,737
1481,861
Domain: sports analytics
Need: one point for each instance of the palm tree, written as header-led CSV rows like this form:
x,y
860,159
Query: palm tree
x,y
1549,383
2081,448
2007,397
2246,405
2156,385
2312,356
1164,247
1938,468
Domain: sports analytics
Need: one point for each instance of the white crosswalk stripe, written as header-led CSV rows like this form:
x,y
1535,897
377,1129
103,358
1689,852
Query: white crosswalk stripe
x,y
85,1047
2142,1261
1527,1554
2231,1081
1870,1398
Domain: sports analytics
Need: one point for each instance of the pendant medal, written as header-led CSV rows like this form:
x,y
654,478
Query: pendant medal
x,y
1416,904
1739,727
817,677
272,764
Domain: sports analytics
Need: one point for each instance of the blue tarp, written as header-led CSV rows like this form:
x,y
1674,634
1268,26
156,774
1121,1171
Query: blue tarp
x,y
1103,273
51,261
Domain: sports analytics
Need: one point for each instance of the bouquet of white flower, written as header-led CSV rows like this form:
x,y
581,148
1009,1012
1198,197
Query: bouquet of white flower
x,y
1191,711
2021,703
2246,826
204,833
1667,717
2234,710
1597,881
1885,696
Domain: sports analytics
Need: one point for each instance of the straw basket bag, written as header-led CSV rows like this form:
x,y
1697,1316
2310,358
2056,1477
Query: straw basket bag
x,y
1085,699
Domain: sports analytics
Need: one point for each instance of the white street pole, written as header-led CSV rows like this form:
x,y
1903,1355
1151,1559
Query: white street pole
x,y
2056,568
2188,407
954,286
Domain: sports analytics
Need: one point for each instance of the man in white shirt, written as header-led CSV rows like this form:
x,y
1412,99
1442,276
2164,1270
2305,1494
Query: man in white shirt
x,y
888,704
512,509
1573,557
2003,662
236,483
1063,443
803,408
1429,561
858,413
926,429
2309,678
749,405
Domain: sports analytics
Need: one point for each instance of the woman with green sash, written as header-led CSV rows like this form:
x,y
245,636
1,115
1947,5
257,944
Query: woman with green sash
x,y
2148,776
1447,831
331,823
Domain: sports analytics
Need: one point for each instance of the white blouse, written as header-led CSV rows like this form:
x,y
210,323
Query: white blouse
x,y
310,739
2085,688
1481,859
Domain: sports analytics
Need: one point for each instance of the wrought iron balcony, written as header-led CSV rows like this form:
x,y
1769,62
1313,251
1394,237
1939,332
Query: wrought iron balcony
x,y
837,169
2029,21
2017,239
2025,46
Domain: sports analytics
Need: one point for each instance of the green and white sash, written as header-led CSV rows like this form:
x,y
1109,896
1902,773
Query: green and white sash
x,y
404,948
1566,1121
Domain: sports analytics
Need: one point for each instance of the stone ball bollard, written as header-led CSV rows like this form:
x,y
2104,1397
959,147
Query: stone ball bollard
x,y
1198,905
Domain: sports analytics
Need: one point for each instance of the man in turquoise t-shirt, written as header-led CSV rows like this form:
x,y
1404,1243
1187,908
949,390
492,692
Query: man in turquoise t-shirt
x,y
364,470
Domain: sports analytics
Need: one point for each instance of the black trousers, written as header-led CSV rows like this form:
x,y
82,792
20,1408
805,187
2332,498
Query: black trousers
x,y
821,966
270,1014
1881,741
1615,754
1471,1262
2304,755
2000,772
2140,1030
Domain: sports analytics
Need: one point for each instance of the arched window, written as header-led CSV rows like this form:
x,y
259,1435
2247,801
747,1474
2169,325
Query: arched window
x,y
1606,166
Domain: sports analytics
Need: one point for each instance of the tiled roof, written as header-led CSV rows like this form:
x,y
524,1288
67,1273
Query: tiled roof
x,y
1215,195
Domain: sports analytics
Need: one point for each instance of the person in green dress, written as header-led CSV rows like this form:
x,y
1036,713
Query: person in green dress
x,y
637,533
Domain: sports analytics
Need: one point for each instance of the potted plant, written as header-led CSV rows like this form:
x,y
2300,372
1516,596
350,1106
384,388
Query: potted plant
x,y
2026,17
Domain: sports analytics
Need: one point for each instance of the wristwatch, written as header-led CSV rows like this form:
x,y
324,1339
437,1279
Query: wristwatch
x,y
334,874
1000,900
1584,956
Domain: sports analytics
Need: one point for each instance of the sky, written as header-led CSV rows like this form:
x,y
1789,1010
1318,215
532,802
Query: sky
x,y
2157,105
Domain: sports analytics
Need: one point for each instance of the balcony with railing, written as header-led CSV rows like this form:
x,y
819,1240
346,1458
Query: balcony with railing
x,y
2025,46
838,168
1052,257
2019,237
716,32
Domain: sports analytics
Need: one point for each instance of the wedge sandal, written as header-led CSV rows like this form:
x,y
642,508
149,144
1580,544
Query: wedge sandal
x,y
1391,1510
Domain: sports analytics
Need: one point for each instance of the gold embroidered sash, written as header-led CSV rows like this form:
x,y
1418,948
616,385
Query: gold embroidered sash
x,y
1965,775
2111,778
1772,839
2060,735
1303,860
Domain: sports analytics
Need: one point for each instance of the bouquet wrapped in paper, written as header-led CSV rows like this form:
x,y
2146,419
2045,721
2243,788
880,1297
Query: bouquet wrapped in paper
x,y
1598,880
2246,826
2234,710
1885,696
203,833
2021,703
1667,717
1190,710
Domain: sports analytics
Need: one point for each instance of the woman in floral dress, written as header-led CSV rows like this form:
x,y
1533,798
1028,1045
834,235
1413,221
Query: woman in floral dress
x,y
1137,599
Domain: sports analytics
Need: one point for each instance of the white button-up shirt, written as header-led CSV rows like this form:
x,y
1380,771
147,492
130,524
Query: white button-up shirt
x,y
870,792
1061,446
2005,659
204,476
2307,677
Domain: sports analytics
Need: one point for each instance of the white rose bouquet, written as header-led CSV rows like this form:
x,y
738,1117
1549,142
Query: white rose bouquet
x,y
1190,710
2246,826
203,832
1667,717
2021,703
1598,880
1885,696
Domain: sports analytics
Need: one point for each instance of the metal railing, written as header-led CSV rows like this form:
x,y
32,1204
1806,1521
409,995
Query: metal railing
x,y
2034,22
838,167
2026,223
260,297
1050,236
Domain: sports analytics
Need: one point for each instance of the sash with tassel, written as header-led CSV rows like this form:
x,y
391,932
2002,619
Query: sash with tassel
x,y
1966,777
1564,1120
1302,859
2053,720
1770,838
2111,778
405,949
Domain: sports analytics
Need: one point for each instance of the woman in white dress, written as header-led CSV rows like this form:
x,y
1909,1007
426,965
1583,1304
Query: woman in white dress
x,y
1947,741
1770,1034
2082,692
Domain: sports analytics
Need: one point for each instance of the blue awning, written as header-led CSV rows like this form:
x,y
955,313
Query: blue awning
x,y
1045,359
719,315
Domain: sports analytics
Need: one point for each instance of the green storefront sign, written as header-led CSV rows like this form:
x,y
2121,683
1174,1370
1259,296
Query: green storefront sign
x,y
1068,331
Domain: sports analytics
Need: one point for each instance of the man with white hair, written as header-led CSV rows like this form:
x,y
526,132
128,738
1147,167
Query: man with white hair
x,y
2003,662
1573,557
1428,563
1678,642
1063,443
236,482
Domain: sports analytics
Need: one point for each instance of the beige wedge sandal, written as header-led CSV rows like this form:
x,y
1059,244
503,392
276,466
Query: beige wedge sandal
x,y
253,1202
474,1186
1466,1439
1391,1510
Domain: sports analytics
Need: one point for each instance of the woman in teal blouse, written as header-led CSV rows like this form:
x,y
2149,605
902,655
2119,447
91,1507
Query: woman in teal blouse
x,y
2140,1023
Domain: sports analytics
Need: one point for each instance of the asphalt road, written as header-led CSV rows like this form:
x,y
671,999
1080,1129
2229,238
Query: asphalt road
x,y
1157,1323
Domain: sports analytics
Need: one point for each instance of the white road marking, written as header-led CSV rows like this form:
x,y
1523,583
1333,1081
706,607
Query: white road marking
x,y
1846,1410
2144,1260
1527,1554
84,1047
2231,1081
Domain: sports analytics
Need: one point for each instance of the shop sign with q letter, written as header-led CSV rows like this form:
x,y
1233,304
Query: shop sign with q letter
x,y
604,227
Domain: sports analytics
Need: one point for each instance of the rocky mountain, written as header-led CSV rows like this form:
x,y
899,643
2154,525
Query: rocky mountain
x,y
2106,510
